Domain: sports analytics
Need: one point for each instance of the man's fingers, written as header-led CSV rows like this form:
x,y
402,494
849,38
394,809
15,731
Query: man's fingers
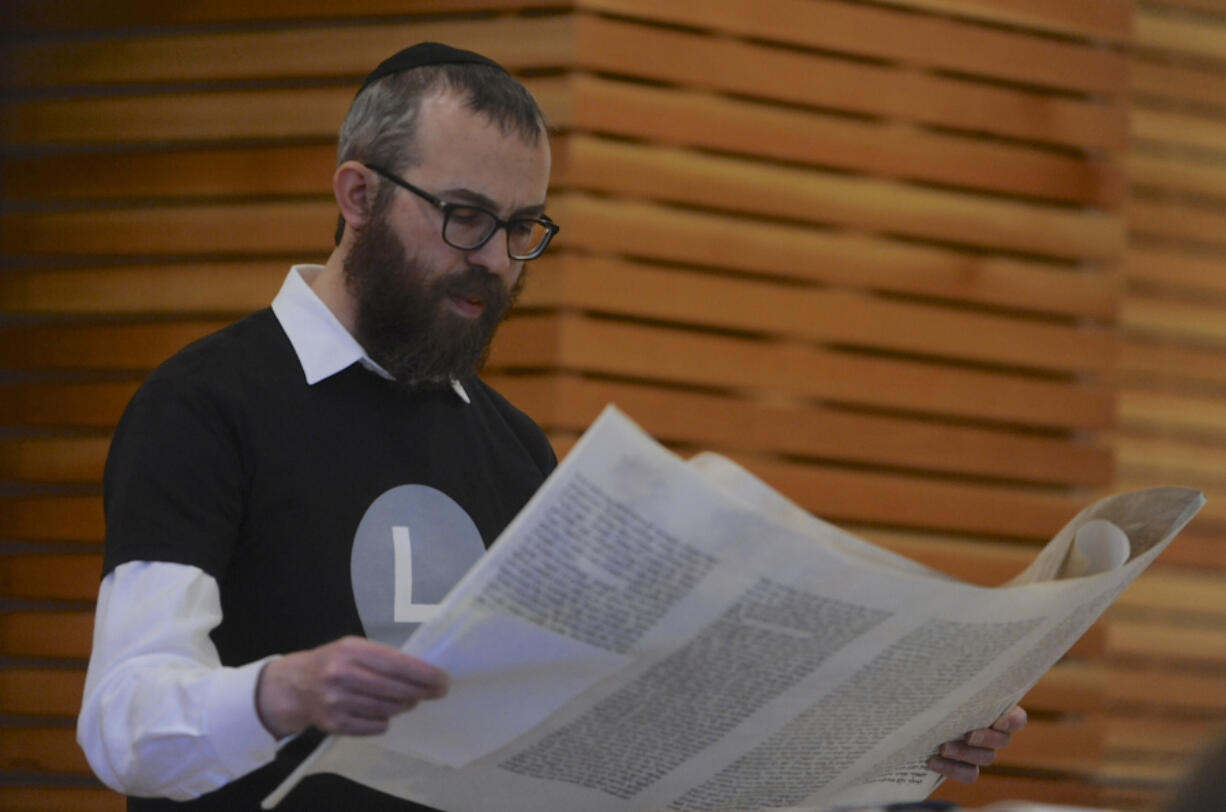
x,y
960,751
988,737
393,664
957,770
1013,721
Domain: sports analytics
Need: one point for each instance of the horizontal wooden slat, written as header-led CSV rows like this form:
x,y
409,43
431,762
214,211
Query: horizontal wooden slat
x,y
847,496
991,787
1154,640
679,176
1171,220
225,172
932,42
41,691
1170,589
60,799
51,518
1205,693
42,749
733,66
642,291
1172,414
1173,269
46,634
71,576
633,350
116,347
190,288
58,460
1198,323
75,404
705,119
40,15
302,52
309,112
713,422
1109,19
1184,461
1156,79
1177,174
1143,360
848,259
1199,36
1161,127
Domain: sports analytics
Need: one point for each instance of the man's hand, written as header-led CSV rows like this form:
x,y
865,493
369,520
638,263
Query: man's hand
x,y
961,760
351,686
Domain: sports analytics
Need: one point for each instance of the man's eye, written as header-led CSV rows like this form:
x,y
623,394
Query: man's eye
x,y
468,216
522,228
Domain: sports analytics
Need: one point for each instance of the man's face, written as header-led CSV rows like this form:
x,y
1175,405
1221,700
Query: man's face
x,y
423,310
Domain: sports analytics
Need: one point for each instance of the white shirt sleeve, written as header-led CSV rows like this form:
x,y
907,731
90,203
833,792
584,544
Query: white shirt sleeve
x,y
161,717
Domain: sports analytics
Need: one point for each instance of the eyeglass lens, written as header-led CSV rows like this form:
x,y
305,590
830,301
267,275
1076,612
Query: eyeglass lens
x,y
467,228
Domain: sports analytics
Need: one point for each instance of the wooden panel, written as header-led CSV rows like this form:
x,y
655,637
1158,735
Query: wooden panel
x,y
39,749
933,42
991,787
1172,220
1195,323
41,691
736,67
1185,130
842,258
56,577
1171,269
1111,19
818,314
46,634
50,459
59,404
117,347
39,14
708,360
304,52
200,116
1193,36
190,289
1148,640
60,799
1184,82
678,176
704,119
51,518
1197,692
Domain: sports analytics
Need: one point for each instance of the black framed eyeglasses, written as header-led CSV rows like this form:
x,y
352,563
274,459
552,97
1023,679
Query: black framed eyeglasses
x,y
469,227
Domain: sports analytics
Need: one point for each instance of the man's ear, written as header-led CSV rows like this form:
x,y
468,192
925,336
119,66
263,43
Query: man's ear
x,y
353,187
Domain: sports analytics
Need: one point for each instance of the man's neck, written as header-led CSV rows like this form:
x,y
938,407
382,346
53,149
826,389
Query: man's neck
x,y
329,286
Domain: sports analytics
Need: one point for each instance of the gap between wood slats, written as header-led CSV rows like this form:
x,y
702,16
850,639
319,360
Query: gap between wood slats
x,y
820,81
39,15
717,422
312,52
679,176
579,344
931,42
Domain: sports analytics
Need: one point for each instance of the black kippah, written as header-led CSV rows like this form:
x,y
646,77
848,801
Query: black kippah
x,y
426,53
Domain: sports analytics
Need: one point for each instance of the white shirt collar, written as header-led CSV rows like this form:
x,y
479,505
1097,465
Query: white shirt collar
x,y
323,346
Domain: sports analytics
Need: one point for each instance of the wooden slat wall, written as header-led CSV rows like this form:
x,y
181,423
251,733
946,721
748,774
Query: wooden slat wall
x,y
871,250
1166,693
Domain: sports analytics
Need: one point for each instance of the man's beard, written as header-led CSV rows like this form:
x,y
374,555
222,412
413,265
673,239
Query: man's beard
x,y
404,320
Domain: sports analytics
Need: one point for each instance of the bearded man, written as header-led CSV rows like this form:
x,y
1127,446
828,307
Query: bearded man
x,y
287,497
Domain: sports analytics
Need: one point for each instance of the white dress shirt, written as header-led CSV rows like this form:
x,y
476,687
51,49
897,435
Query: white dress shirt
x,y
161,717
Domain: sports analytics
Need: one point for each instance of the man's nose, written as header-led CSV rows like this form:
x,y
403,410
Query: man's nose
x,y
493,258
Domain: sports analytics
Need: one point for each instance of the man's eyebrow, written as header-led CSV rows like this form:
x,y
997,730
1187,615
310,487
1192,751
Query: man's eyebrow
x,y
465,195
